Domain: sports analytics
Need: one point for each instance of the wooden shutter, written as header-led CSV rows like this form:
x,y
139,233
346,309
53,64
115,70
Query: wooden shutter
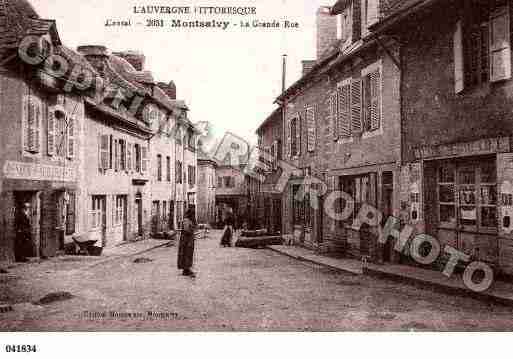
x,y
357,20
344,111
37,126
375,100
289,138
71,142
459,70
332,111
31,126
116,155
500,48
51,126
103,152
298,135
310,123
356,107
128,156
144,156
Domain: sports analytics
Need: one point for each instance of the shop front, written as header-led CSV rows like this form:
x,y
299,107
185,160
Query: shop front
x,y
39,204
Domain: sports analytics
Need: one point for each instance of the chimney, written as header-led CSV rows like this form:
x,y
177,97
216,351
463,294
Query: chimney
x,y
169,89
307,66
326,30
95,55
136,59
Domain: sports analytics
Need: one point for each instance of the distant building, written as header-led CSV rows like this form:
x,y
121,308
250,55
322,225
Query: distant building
x,y
206,194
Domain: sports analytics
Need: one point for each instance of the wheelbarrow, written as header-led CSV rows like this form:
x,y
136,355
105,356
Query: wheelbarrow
x,y
86,246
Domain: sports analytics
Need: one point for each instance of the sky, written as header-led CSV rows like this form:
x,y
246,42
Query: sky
x,y
227,77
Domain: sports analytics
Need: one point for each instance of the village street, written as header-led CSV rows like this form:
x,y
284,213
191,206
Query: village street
x,y
236,289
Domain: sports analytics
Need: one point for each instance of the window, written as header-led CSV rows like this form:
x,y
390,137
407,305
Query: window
x,y
70,214
168,169
345,24
96,212
311,129
119,210
179,179
370,14
482,51
191,139
362,189
219,182
71,141
137,158
229,182
122,155
467,195
103,151
32,123
159,168
192,175
129,159
144,159
342,128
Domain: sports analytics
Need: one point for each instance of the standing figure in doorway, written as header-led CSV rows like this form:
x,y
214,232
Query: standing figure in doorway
x,y
186,245
23,244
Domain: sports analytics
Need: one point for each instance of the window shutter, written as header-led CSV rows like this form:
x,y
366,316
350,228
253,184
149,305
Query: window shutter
x,y
31,125
289,137
357,20
51,132
116,156
310,122
129,156
298,135
144,155
356,106
459,73
375,103
344,111
37,126
500,47
332,114
71,137
275,155
103,144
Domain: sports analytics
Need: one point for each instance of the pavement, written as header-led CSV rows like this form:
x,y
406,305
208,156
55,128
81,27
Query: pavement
x,y
500,291
236,289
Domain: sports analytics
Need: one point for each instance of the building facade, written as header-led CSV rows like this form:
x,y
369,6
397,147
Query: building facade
x,y
342,125
206,195
42,131
456,80
270,139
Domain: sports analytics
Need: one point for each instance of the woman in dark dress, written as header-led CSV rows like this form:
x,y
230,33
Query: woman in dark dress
x,y
186,245
226,239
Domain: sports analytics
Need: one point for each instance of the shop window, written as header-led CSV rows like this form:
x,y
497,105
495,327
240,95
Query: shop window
x,y
362,190
467,195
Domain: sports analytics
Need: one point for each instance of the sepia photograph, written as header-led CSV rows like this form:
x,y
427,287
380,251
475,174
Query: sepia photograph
x,y
272,166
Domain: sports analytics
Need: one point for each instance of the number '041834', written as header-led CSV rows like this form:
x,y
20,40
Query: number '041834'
x,y
20,348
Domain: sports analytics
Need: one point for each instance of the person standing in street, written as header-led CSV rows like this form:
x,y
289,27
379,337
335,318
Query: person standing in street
x,y
226,238
22,246
186,244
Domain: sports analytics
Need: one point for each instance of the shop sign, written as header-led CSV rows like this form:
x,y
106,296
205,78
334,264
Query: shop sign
x,y
484,146
38,172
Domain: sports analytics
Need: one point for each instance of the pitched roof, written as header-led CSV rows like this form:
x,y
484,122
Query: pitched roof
x,y
18,19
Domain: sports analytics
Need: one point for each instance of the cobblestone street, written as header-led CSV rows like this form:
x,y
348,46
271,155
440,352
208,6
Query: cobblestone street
x,y
236,289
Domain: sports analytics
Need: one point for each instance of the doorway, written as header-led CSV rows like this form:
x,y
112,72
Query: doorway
x,y
32,229
387,209
139,214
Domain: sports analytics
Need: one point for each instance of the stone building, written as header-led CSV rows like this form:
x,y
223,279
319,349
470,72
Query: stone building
x,y
456,85
270,137
342,125
231,191
206,194
42,132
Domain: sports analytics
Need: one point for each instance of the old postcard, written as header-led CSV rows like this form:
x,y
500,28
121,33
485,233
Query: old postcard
x,y
271,166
